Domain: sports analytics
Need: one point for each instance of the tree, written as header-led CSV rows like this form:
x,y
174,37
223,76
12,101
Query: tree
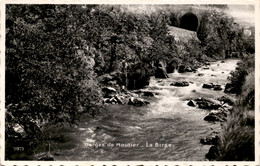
x,y
49,66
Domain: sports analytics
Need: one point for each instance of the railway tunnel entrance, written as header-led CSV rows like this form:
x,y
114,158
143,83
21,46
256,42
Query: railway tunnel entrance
x,y
189,21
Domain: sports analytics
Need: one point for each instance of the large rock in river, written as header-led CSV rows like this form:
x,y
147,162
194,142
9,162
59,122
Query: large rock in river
x,y
137,101
217,87
148,94
109,92
213,153
181,83
212,139
226,99
160,72
208,86
181,69
191,103
229,88
216,116
208,104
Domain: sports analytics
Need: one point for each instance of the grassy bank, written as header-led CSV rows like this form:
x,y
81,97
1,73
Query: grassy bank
x,y
238,136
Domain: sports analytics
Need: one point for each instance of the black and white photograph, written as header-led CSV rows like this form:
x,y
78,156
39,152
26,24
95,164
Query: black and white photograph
x,y
129,82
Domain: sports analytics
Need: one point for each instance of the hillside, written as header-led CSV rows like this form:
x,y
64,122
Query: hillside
x,y
181,34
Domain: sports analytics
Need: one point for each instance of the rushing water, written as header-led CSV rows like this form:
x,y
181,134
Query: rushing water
x,y
166,129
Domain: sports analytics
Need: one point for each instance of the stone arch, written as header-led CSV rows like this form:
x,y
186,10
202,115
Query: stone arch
x,y
189,21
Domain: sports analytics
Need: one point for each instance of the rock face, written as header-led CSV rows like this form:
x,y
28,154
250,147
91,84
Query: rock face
x,y
180,84
160,72
109,92
137,101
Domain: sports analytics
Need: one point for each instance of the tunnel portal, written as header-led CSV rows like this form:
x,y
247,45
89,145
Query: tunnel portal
x,y
189,21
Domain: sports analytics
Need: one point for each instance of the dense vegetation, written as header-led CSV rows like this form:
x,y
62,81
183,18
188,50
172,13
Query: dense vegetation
x,y
59,56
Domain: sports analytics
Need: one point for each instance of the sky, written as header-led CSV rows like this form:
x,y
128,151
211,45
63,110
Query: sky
x,y
243,14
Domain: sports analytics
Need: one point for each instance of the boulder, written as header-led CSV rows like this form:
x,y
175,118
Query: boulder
x,y
170,68
109,92
222,61
181,69
229,88
137,101
160,73
160,80
226,99
148,94
213,75
219,116
200,74
210,140
188,69
191,103
205,68
213,153
112,100
217,87
207,63
208,86
180,84
119,99
106,100
208,104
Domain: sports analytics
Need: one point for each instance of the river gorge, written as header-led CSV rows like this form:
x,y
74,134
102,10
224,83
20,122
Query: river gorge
x,y
166,129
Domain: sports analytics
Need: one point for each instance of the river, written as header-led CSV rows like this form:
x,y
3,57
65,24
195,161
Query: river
x,y
166,129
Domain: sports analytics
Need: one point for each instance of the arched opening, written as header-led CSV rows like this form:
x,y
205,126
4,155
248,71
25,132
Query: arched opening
x,y
189,21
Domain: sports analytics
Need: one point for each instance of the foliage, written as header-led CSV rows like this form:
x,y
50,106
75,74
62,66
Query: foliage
x,y
49,66
54,54
220,35
238,77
